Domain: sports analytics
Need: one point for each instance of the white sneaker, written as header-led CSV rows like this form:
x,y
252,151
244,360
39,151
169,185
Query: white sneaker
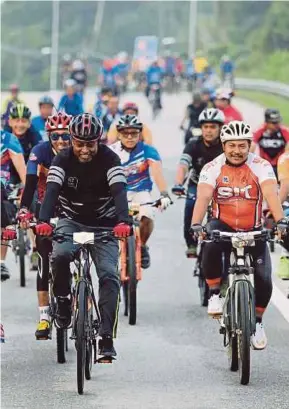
x,y
259,339
215,305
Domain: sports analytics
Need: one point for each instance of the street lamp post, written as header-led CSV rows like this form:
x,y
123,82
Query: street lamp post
x,y
192,28
54,45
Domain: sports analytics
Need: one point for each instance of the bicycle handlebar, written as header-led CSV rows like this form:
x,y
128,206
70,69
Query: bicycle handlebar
x,y
219,236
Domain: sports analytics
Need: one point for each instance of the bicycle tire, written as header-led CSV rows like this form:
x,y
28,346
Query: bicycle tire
x,y
233,354
125,297
132,282
80,335
61,338
88,354
243,333
21,255
88,360
272,246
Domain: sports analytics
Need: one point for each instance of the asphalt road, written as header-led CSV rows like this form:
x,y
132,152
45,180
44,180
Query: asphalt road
x,y
173,358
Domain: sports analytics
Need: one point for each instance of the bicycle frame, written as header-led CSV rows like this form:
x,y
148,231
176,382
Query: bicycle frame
x,y
83,263
134,210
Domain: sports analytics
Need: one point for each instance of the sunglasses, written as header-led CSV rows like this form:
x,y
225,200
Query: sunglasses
x,y
80,144
55,137
133,134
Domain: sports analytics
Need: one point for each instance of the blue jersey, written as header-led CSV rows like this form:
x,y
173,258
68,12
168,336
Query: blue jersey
x,y
100,109
136,165
154,75
170,65
39,163
28,140
227,67
39,124
109,77
9,144
72,106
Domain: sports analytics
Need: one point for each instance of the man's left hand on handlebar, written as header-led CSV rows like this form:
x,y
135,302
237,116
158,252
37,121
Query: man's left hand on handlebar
x,y
283,226
43,229
122,230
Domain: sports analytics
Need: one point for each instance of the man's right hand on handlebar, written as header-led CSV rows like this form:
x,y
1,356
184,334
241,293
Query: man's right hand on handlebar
x,y
179,190
24,217
197,230
43,229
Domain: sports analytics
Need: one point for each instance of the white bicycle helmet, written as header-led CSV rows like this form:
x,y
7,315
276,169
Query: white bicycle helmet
x,y
224,93
70,83
77,65
212,115
236,131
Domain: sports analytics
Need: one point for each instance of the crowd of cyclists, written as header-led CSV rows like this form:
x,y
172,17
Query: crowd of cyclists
x,y
55,154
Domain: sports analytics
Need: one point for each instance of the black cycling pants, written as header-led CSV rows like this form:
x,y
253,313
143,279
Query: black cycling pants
x,y
105,258
44,248
213,266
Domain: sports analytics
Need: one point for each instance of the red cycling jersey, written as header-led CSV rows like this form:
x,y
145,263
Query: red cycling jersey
x,y
271,145
232,114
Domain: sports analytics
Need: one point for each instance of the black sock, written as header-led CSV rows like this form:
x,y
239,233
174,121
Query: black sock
x,y
258,320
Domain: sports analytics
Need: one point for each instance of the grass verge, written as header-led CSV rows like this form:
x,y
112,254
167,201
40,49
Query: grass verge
x,y
268,101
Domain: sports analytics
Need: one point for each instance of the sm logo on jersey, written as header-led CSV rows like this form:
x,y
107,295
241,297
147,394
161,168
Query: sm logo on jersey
x,y
226,192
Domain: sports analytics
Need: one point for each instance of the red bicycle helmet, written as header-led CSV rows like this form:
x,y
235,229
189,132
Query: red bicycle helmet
x,y
130,105
86,127
59,121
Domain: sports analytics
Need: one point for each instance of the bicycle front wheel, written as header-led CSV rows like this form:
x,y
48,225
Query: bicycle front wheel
x,y
243,332
22,251
80,335
132,282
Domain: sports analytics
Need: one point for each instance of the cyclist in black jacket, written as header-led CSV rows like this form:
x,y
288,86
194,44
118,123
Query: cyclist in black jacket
x,y
196,154
89,183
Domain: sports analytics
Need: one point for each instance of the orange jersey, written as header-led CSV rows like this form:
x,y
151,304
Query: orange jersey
x,y
283,166
237,198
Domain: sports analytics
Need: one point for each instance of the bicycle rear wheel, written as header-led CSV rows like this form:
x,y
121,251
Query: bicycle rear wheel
x,y
243,332
21,253
61,342
132,282
80,335
125,297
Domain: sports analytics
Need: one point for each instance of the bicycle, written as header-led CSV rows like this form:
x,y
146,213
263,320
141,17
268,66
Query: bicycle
x,y
21,245
86,316
130,262
238,322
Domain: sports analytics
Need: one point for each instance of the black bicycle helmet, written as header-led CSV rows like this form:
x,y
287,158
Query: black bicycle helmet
x,y
273,116
46,100
129,121
86,127
19,111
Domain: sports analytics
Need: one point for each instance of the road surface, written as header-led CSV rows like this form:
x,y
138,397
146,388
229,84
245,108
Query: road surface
x,y
173,358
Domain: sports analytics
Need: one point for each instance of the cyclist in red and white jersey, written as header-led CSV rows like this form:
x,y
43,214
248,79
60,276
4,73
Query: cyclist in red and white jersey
x,y
272,138
223,102
237,182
